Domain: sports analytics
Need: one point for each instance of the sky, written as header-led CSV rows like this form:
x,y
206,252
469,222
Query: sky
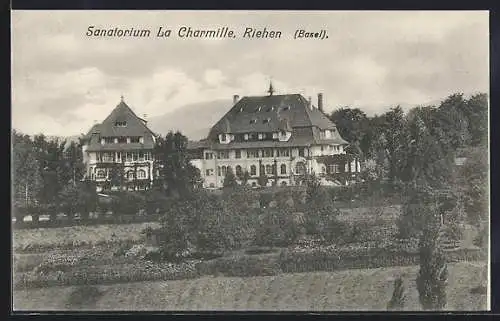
x,y
63,81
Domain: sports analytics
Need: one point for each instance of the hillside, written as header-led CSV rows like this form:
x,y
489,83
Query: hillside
x,y
193,120
361,289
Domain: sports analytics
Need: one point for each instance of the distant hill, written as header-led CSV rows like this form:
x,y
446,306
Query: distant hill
x,y
193,120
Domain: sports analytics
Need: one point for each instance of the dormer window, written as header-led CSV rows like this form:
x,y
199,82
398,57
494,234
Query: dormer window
x,y
121,124
253,121
223,137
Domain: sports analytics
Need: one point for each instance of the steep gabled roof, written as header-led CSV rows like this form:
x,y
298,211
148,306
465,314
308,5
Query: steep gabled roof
x,y
123,113
135,127
269,114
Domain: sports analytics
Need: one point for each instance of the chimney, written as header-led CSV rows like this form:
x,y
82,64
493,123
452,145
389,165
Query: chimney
x,y
235,99
320,102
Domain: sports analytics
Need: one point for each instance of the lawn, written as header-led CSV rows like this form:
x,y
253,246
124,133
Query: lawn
x,y
368,289
47,237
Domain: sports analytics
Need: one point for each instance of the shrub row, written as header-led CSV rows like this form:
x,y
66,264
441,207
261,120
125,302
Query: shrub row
x,y
334,259
241,266
107,274
70,245
288,261
108,219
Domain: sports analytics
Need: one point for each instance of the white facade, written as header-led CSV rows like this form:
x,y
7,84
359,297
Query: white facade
x,y
290,163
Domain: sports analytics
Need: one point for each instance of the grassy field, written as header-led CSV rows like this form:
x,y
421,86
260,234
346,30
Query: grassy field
x,y
368,289
77,234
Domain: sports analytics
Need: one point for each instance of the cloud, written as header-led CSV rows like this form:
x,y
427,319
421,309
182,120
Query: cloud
x,y
371,59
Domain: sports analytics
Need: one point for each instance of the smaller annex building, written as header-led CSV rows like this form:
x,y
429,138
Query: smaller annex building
x,y
118,153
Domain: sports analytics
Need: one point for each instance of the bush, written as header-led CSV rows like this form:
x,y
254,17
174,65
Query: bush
x,y
241,266
397,301
84,296
277,229
433,275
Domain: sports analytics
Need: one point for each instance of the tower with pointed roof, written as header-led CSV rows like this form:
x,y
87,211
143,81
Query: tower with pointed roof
x,y
281,136
118,151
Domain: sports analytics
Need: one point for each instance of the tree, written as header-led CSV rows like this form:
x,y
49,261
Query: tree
x,y
244,177
475,181
432,277
351,124
177,174
476,112
262,180
395,139
398,299
229,179
26,172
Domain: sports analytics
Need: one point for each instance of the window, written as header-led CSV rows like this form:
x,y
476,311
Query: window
x,y
269,169
141,156
223,137
283,183
209,155
141,140
286,108
141,173
301,152
223,154
253,153
134,139
245,137
130,174
268,152
321,147
261,136
254,184
121,124
323,169
267,120
147,156
101,173
219,172
135,157
239,172
224,170
122,140
284,152
283,169
253,170
237,153
334,168
109,140
253,121
108,157
300,168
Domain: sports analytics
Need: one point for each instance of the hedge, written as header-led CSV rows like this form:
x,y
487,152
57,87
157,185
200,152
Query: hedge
x,y
241,266
106,274
334,259
288,261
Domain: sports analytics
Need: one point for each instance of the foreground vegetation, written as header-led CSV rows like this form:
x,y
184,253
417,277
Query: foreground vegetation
x,y
365,289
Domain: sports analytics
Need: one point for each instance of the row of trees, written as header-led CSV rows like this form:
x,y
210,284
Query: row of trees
x,y
48,174
457,122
